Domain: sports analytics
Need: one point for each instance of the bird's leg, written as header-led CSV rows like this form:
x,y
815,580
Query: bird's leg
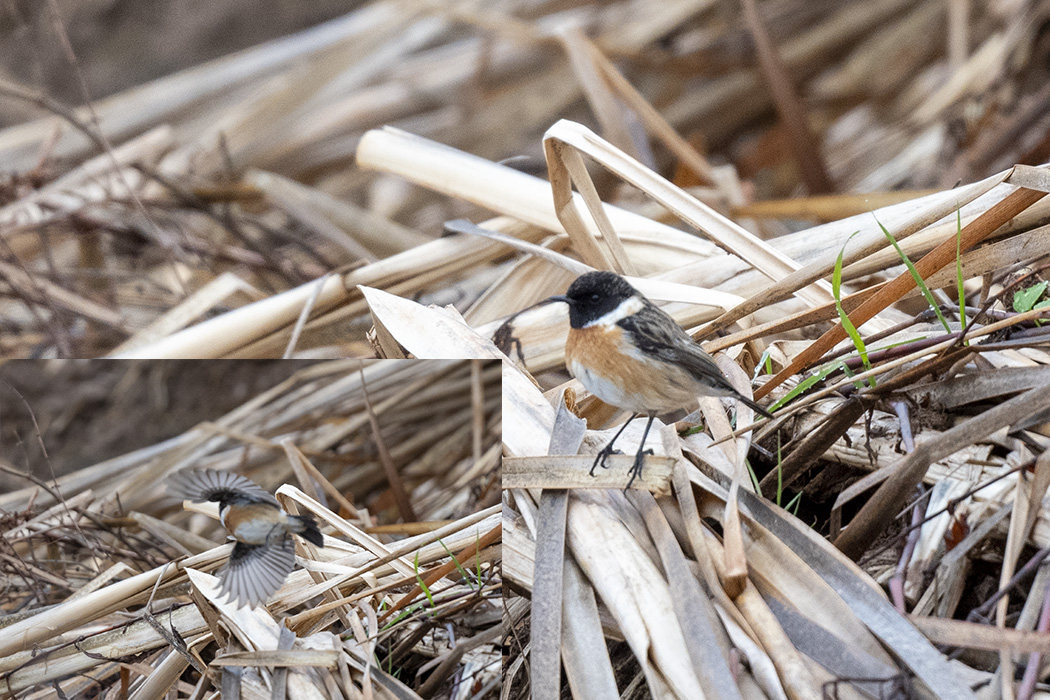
x,y
608,449
639,458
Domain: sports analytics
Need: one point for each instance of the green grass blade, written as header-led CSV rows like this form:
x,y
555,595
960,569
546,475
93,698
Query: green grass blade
x,y
849,373
854,334
754,477
459,568
807,383
919,282
422,585
695,429
763,362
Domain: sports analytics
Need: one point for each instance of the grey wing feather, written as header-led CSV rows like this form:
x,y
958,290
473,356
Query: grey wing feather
x,y
212,485
654,331
255,572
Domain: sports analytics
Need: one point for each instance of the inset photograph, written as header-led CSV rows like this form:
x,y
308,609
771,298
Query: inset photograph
x,y
277,529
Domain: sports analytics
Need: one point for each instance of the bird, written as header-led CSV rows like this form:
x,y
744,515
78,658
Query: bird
x,y
263,551
632,355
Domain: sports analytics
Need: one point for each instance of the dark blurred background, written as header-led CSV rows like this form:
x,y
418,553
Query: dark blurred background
x,y
86,411
122,43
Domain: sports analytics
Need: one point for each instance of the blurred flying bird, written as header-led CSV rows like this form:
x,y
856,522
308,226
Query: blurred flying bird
x,y
264,551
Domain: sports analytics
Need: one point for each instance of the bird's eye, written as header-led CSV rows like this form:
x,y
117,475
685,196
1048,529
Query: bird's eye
x,y
596,297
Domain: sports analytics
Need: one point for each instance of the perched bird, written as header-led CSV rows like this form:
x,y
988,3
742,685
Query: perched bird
x,y
264,552
633,355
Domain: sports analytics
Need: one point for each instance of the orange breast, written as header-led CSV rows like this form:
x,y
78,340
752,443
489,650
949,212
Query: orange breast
x,y
619,374
596,347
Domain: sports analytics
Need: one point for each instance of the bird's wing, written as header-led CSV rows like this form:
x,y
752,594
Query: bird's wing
x,y
655,332
256,571
212,485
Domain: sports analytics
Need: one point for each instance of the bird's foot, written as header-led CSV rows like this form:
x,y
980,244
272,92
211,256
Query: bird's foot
x,y
636,468
600,458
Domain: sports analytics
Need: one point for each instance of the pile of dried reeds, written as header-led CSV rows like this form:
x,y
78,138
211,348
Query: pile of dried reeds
x,y
900,339
953,394
109,586
234,182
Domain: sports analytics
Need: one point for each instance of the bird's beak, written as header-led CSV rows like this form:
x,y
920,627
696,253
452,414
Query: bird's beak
x,y
560,297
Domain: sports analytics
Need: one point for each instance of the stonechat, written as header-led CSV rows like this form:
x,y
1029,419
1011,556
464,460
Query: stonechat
x,y
263,551
631,354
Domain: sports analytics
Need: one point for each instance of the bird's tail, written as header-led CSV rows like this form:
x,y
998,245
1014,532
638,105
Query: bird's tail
x,y
308,530
752,404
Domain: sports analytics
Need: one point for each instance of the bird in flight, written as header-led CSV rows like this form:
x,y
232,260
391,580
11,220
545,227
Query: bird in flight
x,y
263,551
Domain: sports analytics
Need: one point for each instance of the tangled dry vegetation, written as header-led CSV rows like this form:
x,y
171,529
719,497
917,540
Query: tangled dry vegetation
x,y
893,315
126,227
109,588
910,435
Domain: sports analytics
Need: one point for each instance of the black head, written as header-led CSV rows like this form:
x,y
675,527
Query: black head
x,y
595,294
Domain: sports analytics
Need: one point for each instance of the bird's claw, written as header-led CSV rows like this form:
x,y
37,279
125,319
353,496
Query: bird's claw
x,y
601,456
636,468
599,460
